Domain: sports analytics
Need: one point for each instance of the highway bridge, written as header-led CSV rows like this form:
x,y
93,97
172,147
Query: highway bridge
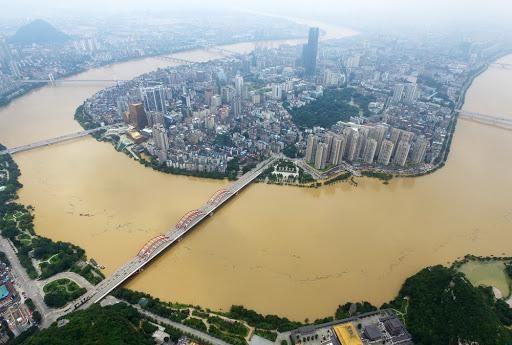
x,y
52,141
176,60
219,49
55,81
502,65
158,244
491,120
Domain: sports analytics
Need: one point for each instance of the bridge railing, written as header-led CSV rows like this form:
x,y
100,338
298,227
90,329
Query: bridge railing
x,y
158,244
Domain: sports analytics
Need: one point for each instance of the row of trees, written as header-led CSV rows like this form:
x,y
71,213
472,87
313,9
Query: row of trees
x,y
17,224
443,308
114,325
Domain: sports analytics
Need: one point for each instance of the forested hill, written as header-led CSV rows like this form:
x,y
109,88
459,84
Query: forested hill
x,y
114,325
39,32
442,308
333,106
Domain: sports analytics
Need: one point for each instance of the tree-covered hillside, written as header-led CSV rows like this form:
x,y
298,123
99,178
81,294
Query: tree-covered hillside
x,y
335,105
39,32
117,324
442,308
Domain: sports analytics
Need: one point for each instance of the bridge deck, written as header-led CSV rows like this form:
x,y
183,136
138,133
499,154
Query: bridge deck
x,y
172,236
52,141
492,120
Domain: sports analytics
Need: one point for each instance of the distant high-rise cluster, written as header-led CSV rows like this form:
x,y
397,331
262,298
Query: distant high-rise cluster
x,y
406,93
154,98
310,52
366,145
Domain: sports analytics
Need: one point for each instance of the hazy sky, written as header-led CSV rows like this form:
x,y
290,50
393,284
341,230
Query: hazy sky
x,y
411,11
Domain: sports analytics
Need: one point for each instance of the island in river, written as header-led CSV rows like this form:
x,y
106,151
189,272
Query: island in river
x,y
268,250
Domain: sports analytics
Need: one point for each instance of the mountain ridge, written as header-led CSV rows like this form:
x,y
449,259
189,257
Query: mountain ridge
x,y
39,31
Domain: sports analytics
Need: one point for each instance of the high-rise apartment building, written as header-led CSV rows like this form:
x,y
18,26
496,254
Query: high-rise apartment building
x,y
411,93
337,150
154,98
419,150
398,92
350,153
321,156
277,91
369,151
239,85
311,148
160,137
385,152
402,151
310,52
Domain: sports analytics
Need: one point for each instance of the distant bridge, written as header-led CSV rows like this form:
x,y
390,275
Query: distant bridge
x,y
219,49
496,121
176,59
502,65
52,81
53,141
158,244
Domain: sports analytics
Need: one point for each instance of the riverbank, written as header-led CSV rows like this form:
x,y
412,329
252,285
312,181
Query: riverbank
x,y
25,90
40,257
126,205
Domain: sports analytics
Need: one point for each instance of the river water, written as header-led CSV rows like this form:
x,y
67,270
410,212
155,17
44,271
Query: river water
x,y
289,251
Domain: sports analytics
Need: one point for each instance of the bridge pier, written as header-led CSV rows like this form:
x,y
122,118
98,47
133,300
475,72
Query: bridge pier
x,y
159,244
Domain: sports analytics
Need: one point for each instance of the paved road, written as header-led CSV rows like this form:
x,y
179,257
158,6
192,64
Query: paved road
x,y
67,275
181,327
34,288
23,282
154,247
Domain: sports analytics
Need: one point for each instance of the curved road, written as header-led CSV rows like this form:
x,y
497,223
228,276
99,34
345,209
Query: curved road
x,y
75,277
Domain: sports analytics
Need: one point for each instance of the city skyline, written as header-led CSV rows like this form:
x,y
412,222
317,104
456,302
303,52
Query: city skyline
x,y
182,173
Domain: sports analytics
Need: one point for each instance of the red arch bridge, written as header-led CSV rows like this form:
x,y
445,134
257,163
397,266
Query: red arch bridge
x,y
158,244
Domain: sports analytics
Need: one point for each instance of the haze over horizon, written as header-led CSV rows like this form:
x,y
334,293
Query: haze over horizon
x,y
380,13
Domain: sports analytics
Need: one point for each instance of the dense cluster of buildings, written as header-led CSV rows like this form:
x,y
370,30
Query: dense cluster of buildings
x,y
22,65
14,314
198,117
379,327
376,145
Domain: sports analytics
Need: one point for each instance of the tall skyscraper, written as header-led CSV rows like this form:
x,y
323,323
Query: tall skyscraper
x,y
311,148
369,151
154,98
418,150
277,91
350,152
402,151
310,52
398,92
160,137
385,152
122,106
338,148
378,132
321,156
137,116
239,85
329,137
236,106
411,93
227,93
